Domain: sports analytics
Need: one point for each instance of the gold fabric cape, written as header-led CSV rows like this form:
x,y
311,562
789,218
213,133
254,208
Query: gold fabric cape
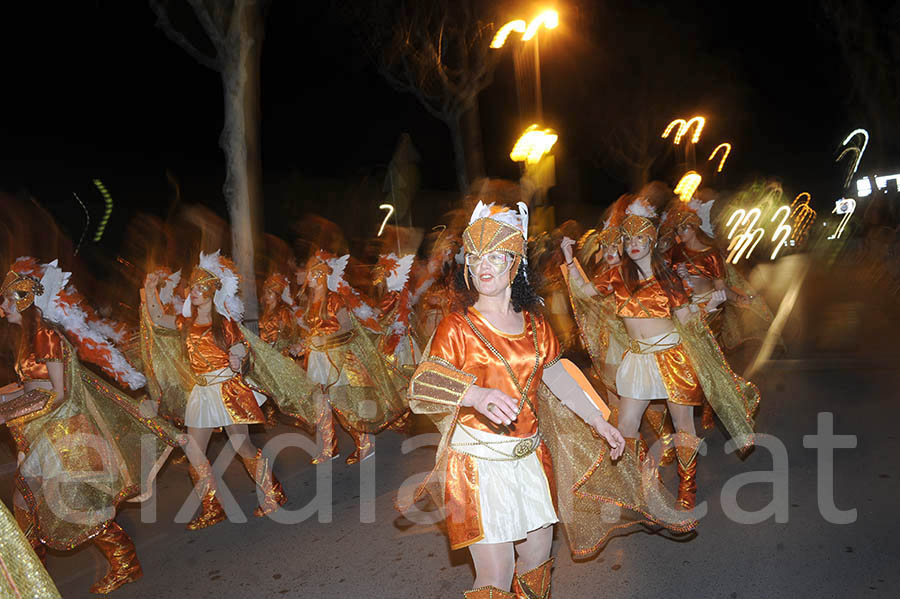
x,y
22,576
82,459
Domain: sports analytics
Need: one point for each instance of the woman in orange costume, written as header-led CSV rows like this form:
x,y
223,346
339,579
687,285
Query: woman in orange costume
x,y
74,434
484,381
216,351
654,308
276,323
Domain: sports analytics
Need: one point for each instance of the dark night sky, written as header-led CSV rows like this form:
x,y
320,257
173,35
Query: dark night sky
x,y
93,89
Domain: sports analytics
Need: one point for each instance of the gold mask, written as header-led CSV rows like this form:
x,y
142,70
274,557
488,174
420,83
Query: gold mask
x,y
487,235
635,226
22,288
204,279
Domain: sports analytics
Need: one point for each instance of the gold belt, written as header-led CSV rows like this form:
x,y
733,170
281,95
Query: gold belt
x,y
638,346
523,449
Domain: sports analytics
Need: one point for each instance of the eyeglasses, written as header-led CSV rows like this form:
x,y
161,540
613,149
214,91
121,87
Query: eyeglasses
x,y
495,260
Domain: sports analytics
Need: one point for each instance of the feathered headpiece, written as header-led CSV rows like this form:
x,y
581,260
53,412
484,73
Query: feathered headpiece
x,y
332,267
498,228
59,303
637,219
703,213
393,270
280,286
218,273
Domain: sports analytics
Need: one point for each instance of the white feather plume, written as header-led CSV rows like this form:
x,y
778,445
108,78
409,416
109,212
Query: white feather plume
x,y
286,295
704,212
640,207
226,299
167,290
519,219
398,277
337,266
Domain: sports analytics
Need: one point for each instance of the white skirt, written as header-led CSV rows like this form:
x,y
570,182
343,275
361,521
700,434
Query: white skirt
x,y
205,408
319,369
638,374
514,495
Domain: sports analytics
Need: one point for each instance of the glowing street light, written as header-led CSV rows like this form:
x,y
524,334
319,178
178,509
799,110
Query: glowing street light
x,y
533,144
855,150
723,146
548,18
749,238
390,211
845,206
783,230
687,186
802,215
684,127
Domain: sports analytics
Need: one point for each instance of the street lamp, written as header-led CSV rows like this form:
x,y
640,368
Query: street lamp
x,y
687,186
533,144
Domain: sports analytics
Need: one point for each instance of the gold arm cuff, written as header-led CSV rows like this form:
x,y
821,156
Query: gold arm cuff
x,y
438,381
19,411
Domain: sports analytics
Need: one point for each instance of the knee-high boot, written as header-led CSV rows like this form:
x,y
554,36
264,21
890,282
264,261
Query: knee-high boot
x,y
534,584
124,567
211,511
664,431
260,471
325,428
707,421
25,520
488,592
365,447
686,447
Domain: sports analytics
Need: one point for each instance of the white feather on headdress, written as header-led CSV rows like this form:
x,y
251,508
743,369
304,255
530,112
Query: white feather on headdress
x,y
398,277
519,219
286,295
704,212
336,276
167,290
226,299
641,207
72,318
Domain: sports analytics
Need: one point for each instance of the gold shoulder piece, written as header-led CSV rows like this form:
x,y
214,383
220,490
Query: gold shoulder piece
x,y
438,381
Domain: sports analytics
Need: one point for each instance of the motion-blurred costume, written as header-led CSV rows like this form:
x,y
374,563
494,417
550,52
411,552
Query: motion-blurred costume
x,y
354,380
680,366
22,575
277,325
81,442
496,484
435,295
189,365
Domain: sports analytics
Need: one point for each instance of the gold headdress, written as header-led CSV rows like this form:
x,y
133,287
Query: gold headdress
x,y
23,288
637,219
220,275
497,228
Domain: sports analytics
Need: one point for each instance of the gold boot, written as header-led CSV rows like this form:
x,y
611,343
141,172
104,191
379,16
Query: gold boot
x,y
26,522
124,567
325,427
534,584
687,446
660,424
707,421
211,511
261,472
488,593
364,446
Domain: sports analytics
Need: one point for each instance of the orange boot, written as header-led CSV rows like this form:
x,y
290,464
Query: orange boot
x,y
534,584
662,426
488,593
124,567
325,427
26,522
261,472
211,511
707,421
687,446
365,447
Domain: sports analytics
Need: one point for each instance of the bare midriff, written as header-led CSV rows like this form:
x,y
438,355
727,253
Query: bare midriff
x,y
644,328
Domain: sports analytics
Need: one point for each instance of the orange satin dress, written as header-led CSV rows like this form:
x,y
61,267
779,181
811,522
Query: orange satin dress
x,y
205,356
650,300
274,324
47,347
455,342
706,263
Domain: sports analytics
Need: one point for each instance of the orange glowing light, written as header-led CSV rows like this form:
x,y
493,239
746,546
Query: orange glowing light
x,y
683,127
503,33
688,185
802,215
722,146
533,145
549,19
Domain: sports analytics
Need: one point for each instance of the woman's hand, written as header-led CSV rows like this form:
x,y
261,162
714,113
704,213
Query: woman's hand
x,y
682,270
151,280
494,404
611,434
718,298
235,362
566,245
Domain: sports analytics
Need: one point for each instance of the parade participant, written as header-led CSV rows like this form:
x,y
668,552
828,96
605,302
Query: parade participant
x,y
667,345
276,323
213,352
435,293
391,280
507,442
23,574
74,433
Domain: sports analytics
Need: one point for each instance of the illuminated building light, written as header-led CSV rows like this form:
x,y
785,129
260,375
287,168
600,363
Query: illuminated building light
x,y
548,18
882,182
863,187
390,211
855,150
683,127
533,144
501,35
722,146
107,198
687,186
782,231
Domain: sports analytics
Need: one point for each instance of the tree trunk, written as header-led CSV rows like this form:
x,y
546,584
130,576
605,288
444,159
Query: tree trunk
x,y
459,153
240,142
471,129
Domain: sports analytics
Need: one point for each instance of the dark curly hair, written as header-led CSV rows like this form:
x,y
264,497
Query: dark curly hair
x,y
522,294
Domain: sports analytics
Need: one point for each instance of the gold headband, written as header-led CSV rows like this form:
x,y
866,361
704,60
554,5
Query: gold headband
x,y
635,226
200,276
487,235
24,288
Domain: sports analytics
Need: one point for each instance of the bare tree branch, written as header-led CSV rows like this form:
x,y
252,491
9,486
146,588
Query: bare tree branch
x,y
163,22
214,31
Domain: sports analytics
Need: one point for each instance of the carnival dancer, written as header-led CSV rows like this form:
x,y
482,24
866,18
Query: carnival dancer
x,y
202,354
344,361
435,293
666,344
23,575
74,433
507,442
276,323
391,280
